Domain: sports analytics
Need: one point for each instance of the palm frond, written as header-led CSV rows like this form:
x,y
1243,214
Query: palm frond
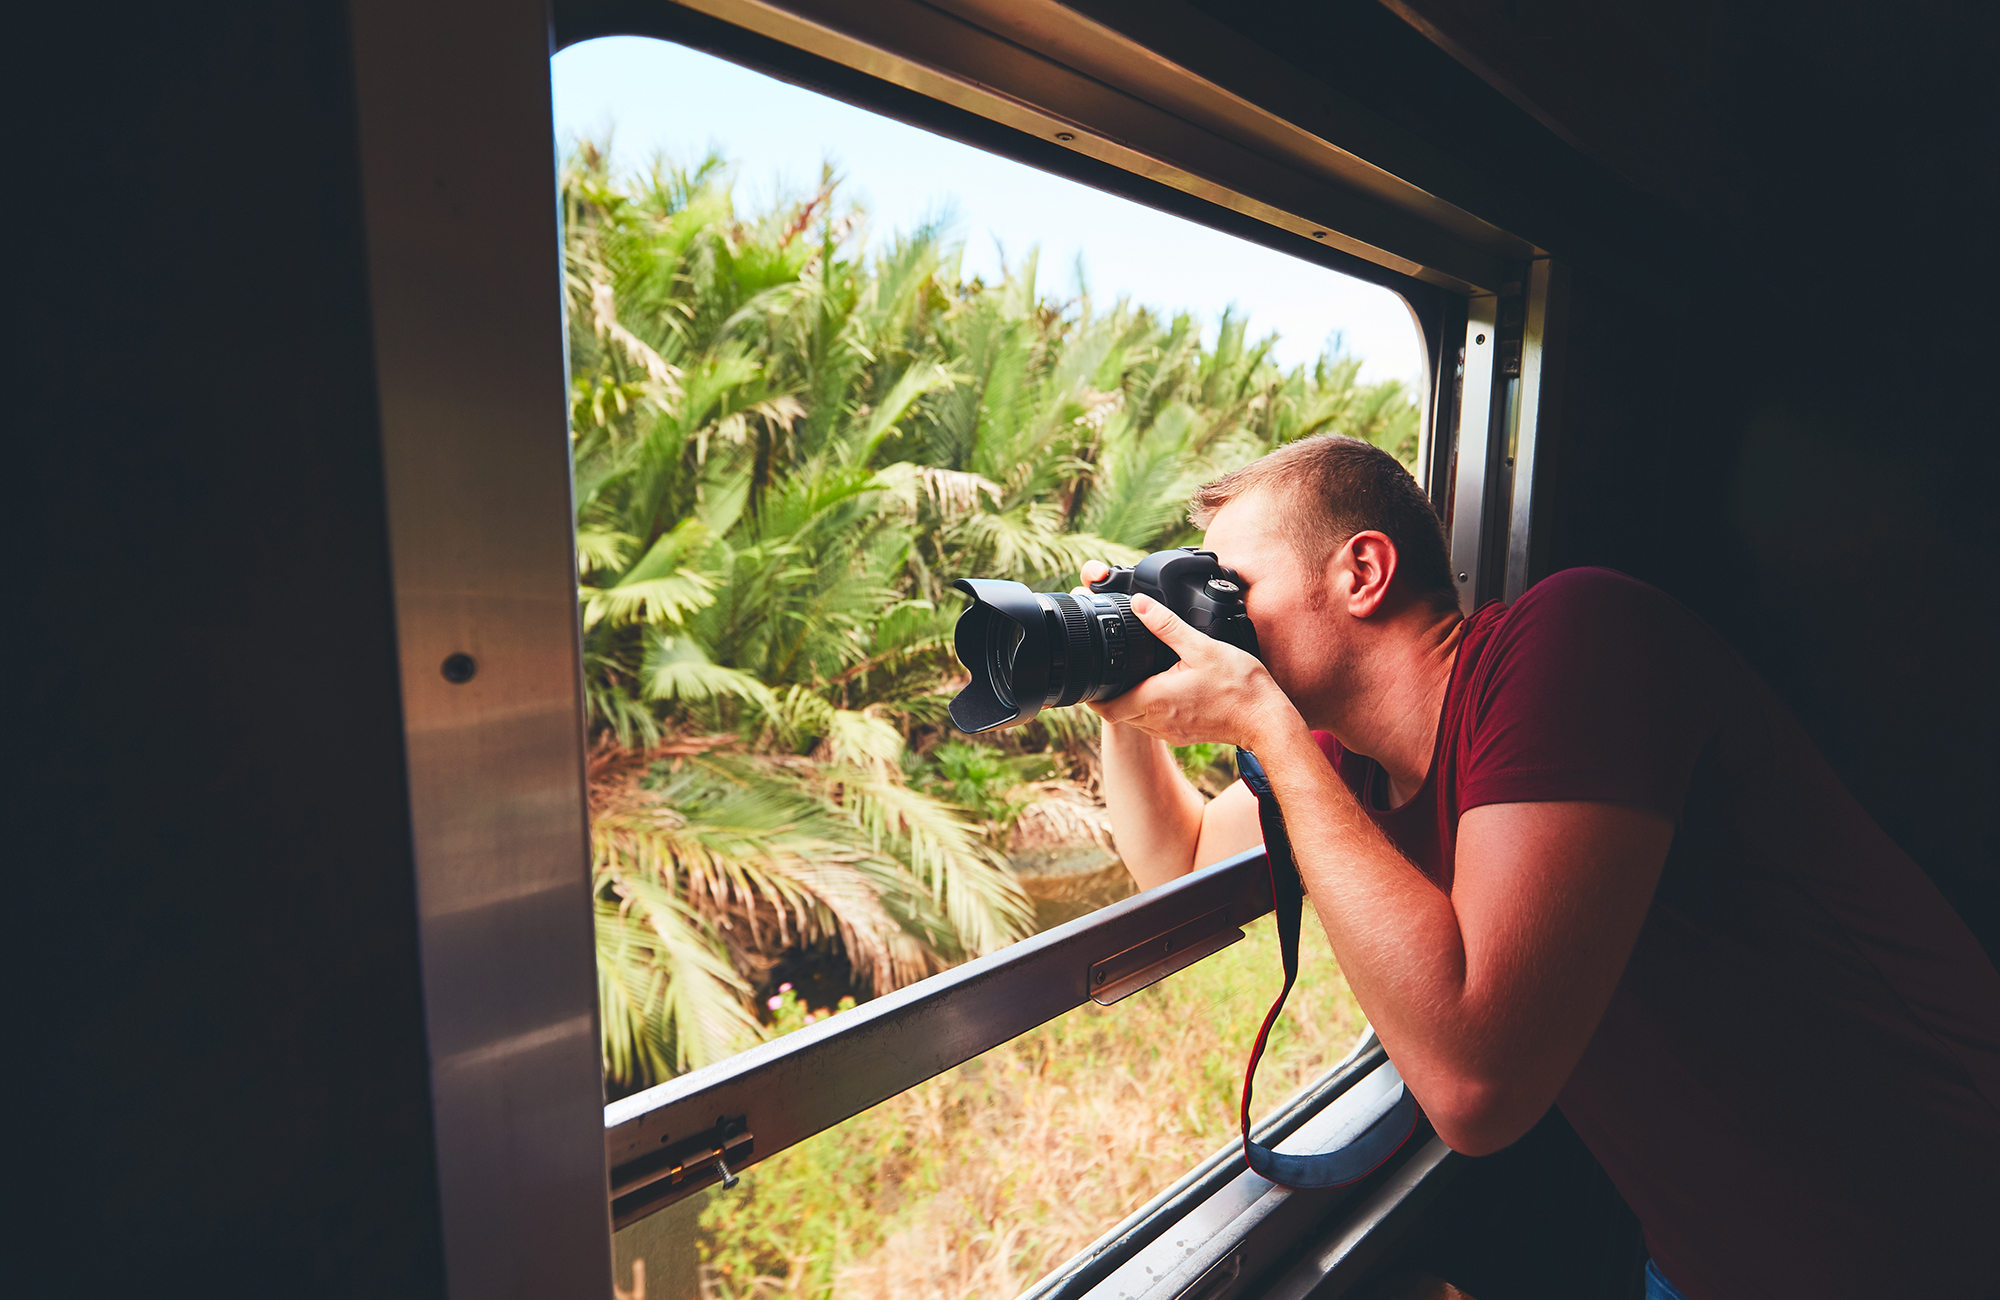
x,y
676,668
980,897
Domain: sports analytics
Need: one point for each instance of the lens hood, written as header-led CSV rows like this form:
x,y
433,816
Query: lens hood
x,y
1002,638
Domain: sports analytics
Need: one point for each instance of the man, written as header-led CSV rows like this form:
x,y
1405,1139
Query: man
x,y
1573,852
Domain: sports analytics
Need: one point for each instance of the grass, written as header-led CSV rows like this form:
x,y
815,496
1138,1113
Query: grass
x,y
982,1180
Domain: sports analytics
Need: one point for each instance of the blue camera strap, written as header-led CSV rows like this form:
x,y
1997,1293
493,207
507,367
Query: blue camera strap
x,y
1380,1140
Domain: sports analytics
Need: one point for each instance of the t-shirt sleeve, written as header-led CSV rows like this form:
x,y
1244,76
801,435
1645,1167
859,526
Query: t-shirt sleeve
x,y
1598,687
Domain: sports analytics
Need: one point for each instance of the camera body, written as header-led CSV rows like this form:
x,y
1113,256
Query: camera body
x,y
1029,650
1195,585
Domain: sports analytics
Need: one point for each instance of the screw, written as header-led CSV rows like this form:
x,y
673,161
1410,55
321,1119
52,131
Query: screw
x,y
1065,136
459,668
1461,577
1098,978
729,1180
1319,234
1481,338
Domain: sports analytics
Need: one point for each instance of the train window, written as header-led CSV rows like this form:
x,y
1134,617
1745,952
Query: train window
x,y
819,368
762,705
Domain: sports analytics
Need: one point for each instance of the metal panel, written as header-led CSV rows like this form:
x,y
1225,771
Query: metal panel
x,y
1475,433
1179,59
1537,413
1238,157
1373,1228
787,1090
459,188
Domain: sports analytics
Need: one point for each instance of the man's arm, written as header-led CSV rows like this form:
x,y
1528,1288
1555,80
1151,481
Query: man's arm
x,y
1486,996
1163,826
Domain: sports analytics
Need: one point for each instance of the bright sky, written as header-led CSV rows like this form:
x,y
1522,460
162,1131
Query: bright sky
x,y
657,97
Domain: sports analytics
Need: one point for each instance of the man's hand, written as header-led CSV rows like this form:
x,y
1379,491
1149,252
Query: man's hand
x,y
1215,694
1163,825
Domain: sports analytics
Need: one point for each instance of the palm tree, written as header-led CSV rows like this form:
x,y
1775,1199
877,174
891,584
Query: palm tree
x,y
785,448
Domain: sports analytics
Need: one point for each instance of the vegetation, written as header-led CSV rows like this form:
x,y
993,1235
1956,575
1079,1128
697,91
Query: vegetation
x,y
785,447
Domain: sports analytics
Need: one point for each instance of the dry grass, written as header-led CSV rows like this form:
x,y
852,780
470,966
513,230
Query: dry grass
x,y
982,1180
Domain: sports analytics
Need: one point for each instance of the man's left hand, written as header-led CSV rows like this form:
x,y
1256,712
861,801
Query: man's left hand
x,y
1216,694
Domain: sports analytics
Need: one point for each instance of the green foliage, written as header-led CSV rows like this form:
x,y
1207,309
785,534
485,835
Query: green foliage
x,y
785,448
984,780
1209,766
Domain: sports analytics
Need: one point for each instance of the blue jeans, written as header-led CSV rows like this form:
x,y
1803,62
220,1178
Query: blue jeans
x,y
1657,1286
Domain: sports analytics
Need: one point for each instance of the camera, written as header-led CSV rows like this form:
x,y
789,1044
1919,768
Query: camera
x,y
1031,650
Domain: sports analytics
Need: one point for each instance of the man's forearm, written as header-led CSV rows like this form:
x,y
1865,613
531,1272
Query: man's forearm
x,y
1394,931
1487,995
1155,813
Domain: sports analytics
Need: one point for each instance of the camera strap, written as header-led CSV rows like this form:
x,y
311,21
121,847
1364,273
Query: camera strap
x,y
1380,1140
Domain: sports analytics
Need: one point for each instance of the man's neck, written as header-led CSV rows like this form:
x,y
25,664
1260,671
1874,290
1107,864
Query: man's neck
x,y
1391,708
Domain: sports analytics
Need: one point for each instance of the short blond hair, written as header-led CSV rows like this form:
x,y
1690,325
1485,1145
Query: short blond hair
x,y
1330,487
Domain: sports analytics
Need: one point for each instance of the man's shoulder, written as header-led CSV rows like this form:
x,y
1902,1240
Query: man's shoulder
x,y
1591,587
1594,603
1593,686
1591,629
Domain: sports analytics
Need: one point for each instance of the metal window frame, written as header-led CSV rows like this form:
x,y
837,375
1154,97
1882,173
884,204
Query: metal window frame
x,y
1151,100
459,205
1536,420
1472,456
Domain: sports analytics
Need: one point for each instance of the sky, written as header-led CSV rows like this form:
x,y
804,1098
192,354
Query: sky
x,y
653,97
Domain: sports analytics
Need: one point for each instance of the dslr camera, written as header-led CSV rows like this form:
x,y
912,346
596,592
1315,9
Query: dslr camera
x,y
1034,650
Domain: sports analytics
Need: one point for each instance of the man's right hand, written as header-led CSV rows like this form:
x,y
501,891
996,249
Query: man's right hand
x,y
1162,825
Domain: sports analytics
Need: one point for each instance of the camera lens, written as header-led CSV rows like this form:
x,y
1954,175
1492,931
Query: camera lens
x,y
1028,651
1003,644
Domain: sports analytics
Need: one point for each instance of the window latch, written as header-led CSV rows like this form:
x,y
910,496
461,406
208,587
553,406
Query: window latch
x,y
1125,973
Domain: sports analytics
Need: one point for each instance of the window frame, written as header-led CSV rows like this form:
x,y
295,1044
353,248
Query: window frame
x,y
1159,104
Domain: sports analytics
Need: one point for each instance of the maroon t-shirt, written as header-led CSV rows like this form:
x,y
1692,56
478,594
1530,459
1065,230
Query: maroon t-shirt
x,y
1797,1082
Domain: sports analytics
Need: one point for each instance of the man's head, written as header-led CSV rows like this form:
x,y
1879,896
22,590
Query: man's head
x,y
1335,528
1323,490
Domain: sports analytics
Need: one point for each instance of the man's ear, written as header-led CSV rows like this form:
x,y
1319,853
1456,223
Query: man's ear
x,y
1368,564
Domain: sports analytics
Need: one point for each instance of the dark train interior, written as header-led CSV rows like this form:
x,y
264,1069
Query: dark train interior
x,y
302,970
